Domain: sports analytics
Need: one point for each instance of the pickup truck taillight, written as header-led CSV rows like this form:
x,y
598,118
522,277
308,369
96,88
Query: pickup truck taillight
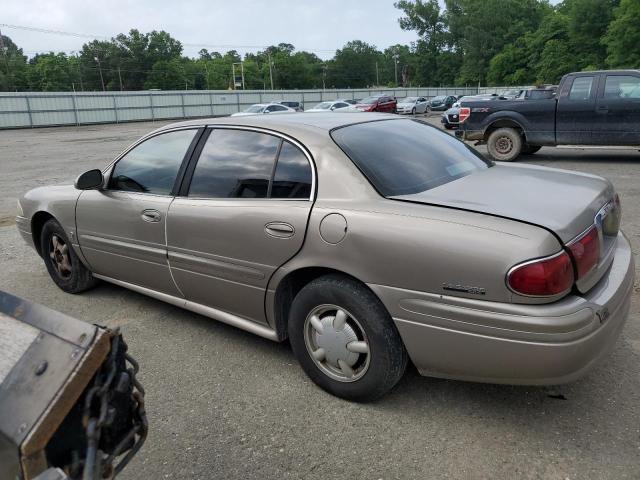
x,y
585,251
464,114
543,277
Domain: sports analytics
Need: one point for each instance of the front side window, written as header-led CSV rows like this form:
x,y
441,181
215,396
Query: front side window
x,y
235,164
403,157
622,86
581,88
152,166
276,108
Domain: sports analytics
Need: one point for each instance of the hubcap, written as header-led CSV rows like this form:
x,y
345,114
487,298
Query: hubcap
x,y
504,145
337,343
59,254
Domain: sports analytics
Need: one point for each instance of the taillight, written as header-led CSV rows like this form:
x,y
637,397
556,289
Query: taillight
x,y
585,251
463,114
543,277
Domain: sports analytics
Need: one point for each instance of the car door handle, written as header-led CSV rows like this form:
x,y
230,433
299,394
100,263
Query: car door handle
x,y
279,229
603,109
152,216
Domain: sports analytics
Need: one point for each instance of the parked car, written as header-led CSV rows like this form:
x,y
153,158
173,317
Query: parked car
x,y
331,106
442,102
365,239
412,105
297,106
349,101
451,118
262,108
377,103
598,108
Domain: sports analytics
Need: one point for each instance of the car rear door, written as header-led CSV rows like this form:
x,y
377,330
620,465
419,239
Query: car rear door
x,y
121,228
576,118
242,212
618,109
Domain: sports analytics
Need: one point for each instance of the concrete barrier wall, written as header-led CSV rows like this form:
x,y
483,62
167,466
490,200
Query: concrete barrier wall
x,y
40,109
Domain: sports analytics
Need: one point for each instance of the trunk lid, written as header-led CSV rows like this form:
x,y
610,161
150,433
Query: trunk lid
x,y
564,202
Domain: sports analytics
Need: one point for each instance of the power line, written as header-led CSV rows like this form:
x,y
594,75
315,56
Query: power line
x,y
194,45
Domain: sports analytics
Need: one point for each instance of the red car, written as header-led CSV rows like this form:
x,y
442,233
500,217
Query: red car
x,y
378,103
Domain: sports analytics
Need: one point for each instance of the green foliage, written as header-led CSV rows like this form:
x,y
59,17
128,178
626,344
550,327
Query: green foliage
x,y
622,40
463,42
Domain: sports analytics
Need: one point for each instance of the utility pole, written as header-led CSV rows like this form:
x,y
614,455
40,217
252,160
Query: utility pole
x,y
79,71
100,70
270,70
324,75
120,78
377,76
207,72
395,64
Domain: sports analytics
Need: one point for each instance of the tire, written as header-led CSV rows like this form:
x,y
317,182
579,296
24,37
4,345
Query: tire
x,y
447,126
504,144
63,265
413,111
370,373
530,149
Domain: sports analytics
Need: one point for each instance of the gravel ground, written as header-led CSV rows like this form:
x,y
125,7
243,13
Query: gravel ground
x,y
225,404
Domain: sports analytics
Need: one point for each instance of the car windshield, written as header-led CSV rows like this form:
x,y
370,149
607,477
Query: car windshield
x,y
369,100
408,100
255,109
403,157
323,106
439,99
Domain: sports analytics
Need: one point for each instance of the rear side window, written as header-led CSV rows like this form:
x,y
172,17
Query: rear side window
x,y
235,164
246,164
292,177
402,157
581,88
152,166
622,86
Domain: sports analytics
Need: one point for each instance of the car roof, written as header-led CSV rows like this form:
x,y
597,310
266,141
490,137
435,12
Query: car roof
x,y
290,124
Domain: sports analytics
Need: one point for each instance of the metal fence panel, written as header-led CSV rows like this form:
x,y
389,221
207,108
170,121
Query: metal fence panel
x,y
32,109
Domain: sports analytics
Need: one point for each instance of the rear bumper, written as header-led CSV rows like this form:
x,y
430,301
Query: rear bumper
x,y
515,344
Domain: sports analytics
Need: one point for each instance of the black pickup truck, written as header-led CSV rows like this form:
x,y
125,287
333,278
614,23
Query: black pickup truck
x,y
600,108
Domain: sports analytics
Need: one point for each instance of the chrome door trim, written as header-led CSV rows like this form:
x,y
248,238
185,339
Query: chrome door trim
x,y
221,316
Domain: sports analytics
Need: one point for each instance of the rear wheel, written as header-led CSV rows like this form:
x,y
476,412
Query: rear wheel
x,y
345,339
530,149
413,111
504,144
63,265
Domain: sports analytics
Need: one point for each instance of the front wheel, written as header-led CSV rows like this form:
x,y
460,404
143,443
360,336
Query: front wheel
x,y
63,265
345,340
504,144
413,111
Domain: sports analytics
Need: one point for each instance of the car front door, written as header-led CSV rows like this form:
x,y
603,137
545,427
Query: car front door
x,y
121,227
421,105
242,213
575,116
618,110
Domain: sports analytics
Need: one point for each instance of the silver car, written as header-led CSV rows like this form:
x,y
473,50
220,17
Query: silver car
x,y
367,240
412,105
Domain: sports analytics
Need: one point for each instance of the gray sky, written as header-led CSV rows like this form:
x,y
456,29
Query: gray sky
x,y
320,26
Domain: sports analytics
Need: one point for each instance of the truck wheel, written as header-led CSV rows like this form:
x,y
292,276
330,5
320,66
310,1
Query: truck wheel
x,y
345,340
504,144
63,265
530,149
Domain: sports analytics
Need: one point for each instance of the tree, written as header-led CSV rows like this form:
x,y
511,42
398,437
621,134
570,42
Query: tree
x,y
13,66
354,65
49,72
623,36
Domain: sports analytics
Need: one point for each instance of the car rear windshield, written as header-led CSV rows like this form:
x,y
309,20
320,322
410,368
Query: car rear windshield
x,y
402,157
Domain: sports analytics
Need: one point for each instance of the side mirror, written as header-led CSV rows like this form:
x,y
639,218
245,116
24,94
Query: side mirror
x,y
90,180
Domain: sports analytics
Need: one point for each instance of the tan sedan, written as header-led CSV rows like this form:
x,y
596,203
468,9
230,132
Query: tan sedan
x,y
366,239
